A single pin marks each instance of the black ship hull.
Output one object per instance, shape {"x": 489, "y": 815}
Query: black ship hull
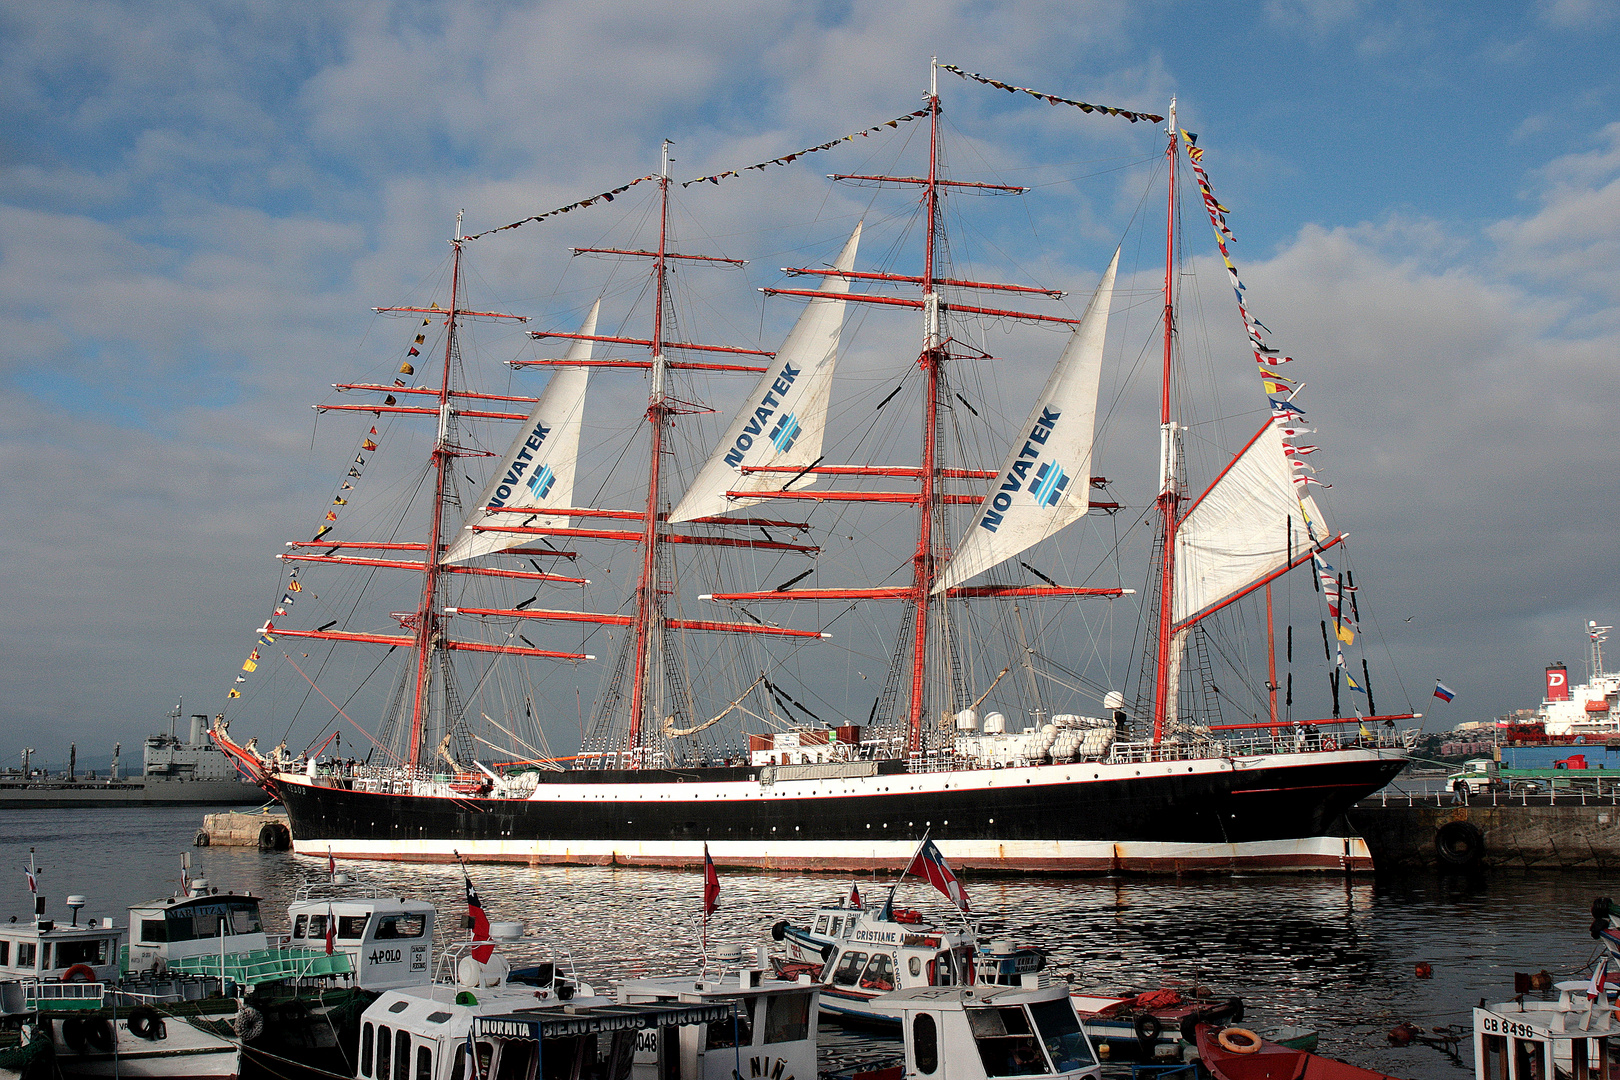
{"x": 1281, "y": 811}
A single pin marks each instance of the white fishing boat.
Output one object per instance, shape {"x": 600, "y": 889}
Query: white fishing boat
{"x": 475, "y": 1020}
{"x": 988, "y": 1032}
{"x": 979, "y": 730}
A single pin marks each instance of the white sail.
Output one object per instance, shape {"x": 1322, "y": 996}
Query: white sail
{"x": 538, "y": 471}
{"x": 783, "y": 420}
{"x": 1045, "y": 483}
{"x": 1239, "y": 530}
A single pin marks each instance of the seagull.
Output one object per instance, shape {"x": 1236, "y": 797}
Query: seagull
{"x": 1409, "y": 618}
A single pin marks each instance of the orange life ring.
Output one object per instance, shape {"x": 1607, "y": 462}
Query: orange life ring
{"x": 79, "y": 973}
{"x": 1236, "y": 1040}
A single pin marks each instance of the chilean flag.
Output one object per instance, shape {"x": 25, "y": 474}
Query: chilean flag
{"x": 854, "y": 895}
{"x": 33, "y": 885}
{"x": 331, "y": 930}
{"x": 929, "y": 863}
{"x": 711, "y": 884}
{"x": 477, "y": 921}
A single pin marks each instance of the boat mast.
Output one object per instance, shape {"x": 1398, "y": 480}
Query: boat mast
{"x": 648, "y": 599}
{"x": 427, "y": 620}
{"x": 932, "y": 356}
{"x": 1169, "y": 496}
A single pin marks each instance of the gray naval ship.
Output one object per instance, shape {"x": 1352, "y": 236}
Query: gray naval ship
{"x": 174, "y": 772}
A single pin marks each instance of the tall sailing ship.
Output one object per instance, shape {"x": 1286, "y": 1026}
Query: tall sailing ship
{"x": 700, "y": 735}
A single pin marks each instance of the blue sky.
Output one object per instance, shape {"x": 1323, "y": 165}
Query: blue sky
{"x": 199, "y": 202}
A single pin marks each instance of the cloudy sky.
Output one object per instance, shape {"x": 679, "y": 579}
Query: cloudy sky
{"x": 200, "y": 202}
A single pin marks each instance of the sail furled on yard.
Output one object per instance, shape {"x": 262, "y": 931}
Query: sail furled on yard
{"x": 538, "y": 470}
{"x": 1045, "y": 482}
{"x": 782, "y": 421}
{"x": 1251, "y": 522}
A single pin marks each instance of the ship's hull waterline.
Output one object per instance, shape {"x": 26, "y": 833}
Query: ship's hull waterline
{"x": 1282, "y": 812}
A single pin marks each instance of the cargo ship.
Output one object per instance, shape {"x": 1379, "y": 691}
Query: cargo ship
{"x": 694, "y": 750}
{"x": 174, "y": 772}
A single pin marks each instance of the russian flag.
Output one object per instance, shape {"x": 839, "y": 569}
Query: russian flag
{"x": 929, "y": 863}
{"x": 1443, "y": 692}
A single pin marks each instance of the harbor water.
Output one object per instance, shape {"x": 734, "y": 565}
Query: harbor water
{"x": 1329, "y": 953}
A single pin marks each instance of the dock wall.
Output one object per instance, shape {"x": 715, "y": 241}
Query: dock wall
{"x": 1563, "y": 832}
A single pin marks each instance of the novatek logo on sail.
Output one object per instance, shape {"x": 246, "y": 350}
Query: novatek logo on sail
{"x": 1049, "y": 479}
{"x": 520, "y": 465}
{"x": 784, "y": 433}
{"x": 540, "y": 483}
{"x": 762, "y": 415}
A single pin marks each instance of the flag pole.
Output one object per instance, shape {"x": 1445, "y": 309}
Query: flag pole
{"x": 888, "y": 905}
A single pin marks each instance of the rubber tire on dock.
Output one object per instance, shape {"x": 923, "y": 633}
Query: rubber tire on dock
{"x": 273, "y": 836}
{"x": 1459, "y": 844}
{"x": 202, "y": 838}
{"x": 1148, "y": 1029}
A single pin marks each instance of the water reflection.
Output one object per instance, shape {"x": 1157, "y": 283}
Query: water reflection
{"x": 1322, "y": 952}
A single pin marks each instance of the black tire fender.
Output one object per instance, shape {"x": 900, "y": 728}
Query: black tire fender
{"x": 1148, "y": 1028}
{"x": 99, "y": 1034}
{"x": 1459, "y": 843}
{"x": 73, "y": 1034}
{"x": 779, "y": 931}
{"x": 144, "y": 1022}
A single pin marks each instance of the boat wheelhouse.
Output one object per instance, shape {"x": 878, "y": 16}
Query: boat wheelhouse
{"x": 990, "y": 1032}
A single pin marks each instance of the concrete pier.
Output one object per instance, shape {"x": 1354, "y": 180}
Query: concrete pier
{"x": 1523, "y": 832}
{"x": 266, "y": 830}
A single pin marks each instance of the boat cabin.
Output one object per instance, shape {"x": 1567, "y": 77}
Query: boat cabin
{"x": 201, "y": 923}
{"x": 1539, "y": 1040}
{"x": 768, "y": 1028}
{"x": 388, "y": 939}
{"x": 41, "y": 949}
{"x": 990, "y": 1032}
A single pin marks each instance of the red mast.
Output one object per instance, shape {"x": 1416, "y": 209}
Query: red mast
{"x": 1169, "y": 496}
{"x": 648, "y": 599}
{"x": 427, "y": 612}
{"x": 922, "y": 577}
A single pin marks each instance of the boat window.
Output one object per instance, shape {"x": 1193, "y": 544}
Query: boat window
{"x": 486, "y": 1054}
{"x": 600, "y": 1058}
{"x": 849, "y": 969}
{"x": 399, "y": 1006}
{"x": 737, "y": 1030}
{"x": 402, "y": 925}
{"x": 1060, "y": 1030}
{"x": 69, "y": 953}
{"x": 879, "y": 973}
{"x": 366, "y": 1035}
{"x": 385, "y": 1044}
{"x": 352, "y": 927}
{"x": 437, "y": 1017}
{"x": 46, "y": 964}
{"x": 25, "y": 954}
{"x": 245, "y": 917}
{"x": 1006, "y": 1043}
{"x": 424, "y": 1063}
{"x": 915, "y": 965}
{"x": 787, "y": 1018}
{"x": 317, "y": 926}
{"x": 240, "y": 915}
{"x": 1495, "y": 1058}
{"x": 821, "y": 925}
{"x": 154, "y": 932}
{"x": 300, "y": 925}
{"x": 925, "y": 1042}
{"x": 837, "y": 925}
{"x": 5, "y": 953}
{"x": 1528, "y": 1063}
{"x": 402, "y": 1055}
{"x": 517, "y": 1060}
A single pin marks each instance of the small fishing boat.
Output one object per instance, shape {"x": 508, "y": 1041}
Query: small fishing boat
{"x": 988, "y": 1032}
{"x": 1574, "y": 1035}
{"x": 865, "y": 953}
{"x": 1235, "y": 1053}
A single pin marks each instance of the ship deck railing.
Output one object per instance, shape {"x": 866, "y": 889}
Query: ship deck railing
{"x": 61, "y": 996}
{"x": 1608, "y": 795}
